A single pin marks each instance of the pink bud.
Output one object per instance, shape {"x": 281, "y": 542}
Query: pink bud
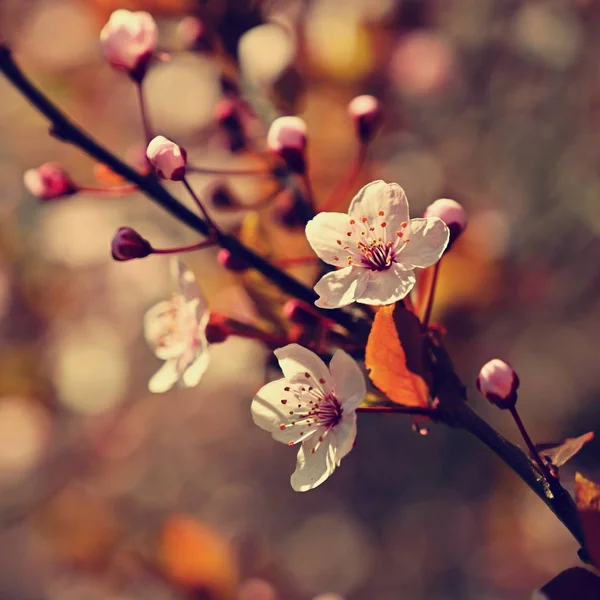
{"x": 366, "y": 113}
{"x": 128, "y": 244}
{"x": 498, "y": 383}
{"x": 48, "y": 182}
{"x": 129, "y": 40}
{"x": 227, "y": 114}
{"x": 192, "y": 35}
{"x": 452, "y": 213}
{"x": 167, "y": 158}
{"x": 230, "y": 261}
{"x": 287, "y": 138}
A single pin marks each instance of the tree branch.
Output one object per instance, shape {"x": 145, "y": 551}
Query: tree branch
{"x": 65, "y": 129}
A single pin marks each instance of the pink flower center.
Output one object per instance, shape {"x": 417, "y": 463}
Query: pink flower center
{"x": 371, "y": 244}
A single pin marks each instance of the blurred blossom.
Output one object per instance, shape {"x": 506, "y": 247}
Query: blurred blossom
{"x": 181, "y": 93}
{"x": 24, "y": 433}
{"x": 423, "y": 64}
{"x": 256, "y": 589}
{"x": 338, "y": 42}
{"x": 328, "y": 551}
{"x": 489, "y": 233}
{"x": 550, "y": 33}
{"x": 265, "y": 52}
{"x": 90, "y": 367}
{"x": 77, "y": 43}
{"x": 328, "y": 597}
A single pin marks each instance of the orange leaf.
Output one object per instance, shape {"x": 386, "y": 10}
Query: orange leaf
{"x": 395, "y": 356}
{"x": 197, "y": 556}
{"x": 587, "y": 498}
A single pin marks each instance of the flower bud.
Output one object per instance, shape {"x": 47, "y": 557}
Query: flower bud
{"x": 129, "y": 40}
{"x": 227, "y": 115}
{"x": 49, "y": 181}
{"x": 217, "y": 330}
{"x": 366, "y": 114}
{"x": 221, "y": 197}
{"x": 498, "y": 383}
{"x": 191, "y": 34}
{"x": 167, "y": 158}
{"x": 287, "y": 139}
{"x": 299, "y": 312}
{"x": 452, "y": 213}
{"x": 128, "y": 244}
{"x": 230, "y": 261}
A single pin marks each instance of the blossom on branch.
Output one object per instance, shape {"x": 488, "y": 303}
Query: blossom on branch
{"x": 167, "y": 158}
{"x": 176, "y": 331}
{"x": 129, "y": 41}
{"x": 49, "y": 182}
{"x": 312, "y": 406}
{"x": 378, "y": 246}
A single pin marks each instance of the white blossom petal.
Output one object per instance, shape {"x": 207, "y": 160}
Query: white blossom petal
{"x": 344, "y": 436}
{"x": 428, "y": 239}
{"x": 386, "y": 287}
{"x": 381, "y": 197}
{"x": 156, "y": 320}
{"x": 312, "y": 469}
{"x": 165, "y": 378}
{"x": 348, "y": 380}
{"x": 327, "y": 234}
{"x": 193, "y": 374}
{"x": 340, "y": 288}
{"x": 191, "y": 291}
{"x": 296, "y": 361}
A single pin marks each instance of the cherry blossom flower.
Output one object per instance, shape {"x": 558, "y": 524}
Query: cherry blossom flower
{"x": 129, "y": 40}
{"x": 176, "y": 331}
{"x": 312, "y": 406}
{"x": 377, "y": 244}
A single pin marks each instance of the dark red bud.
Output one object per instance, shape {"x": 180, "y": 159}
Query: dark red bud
{"x": 231, "y": 262}
{"x": 217, "y": 330}
{"x": 128, "y": 244}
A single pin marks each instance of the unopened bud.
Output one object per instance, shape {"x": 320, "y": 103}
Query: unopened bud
{"x": 221, "y": 197}
{"x": 498, "y": 383}
{"x": 49, "y": 181}
{"x": 366, "y": 114}
{"x": 452, "y": 213}
{"x": 192, "y": 35}
{"x": 128, "y": 244}
{"x": 228, "y": 117}
{"x": 167, "y": 158}
{"x": 129, "y": 40}
{"x": 230, "y": 261}
{"x": 300, "y": 313}
{"x": 287, "y": 139}
{"x": 217, "y": 330}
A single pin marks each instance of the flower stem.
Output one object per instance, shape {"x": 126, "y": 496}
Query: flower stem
{"x": 191, "y": 248}
{"x": 144, "y": 112}
{"x": 310, "y": 194}
{"x": 431, "y": 297}
{"x": 347, "y": 181}
{"x": 212, "y": 227}
{"x": 216, "y": 171}
{"x": 108, "y": 191}
{"x": 296, "y": 261}
{"x": 530, "y": 445}
{"x": 404, "y": 410}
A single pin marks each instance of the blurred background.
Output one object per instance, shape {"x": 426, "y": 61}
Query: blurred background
{"x": 107, "y": 491}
